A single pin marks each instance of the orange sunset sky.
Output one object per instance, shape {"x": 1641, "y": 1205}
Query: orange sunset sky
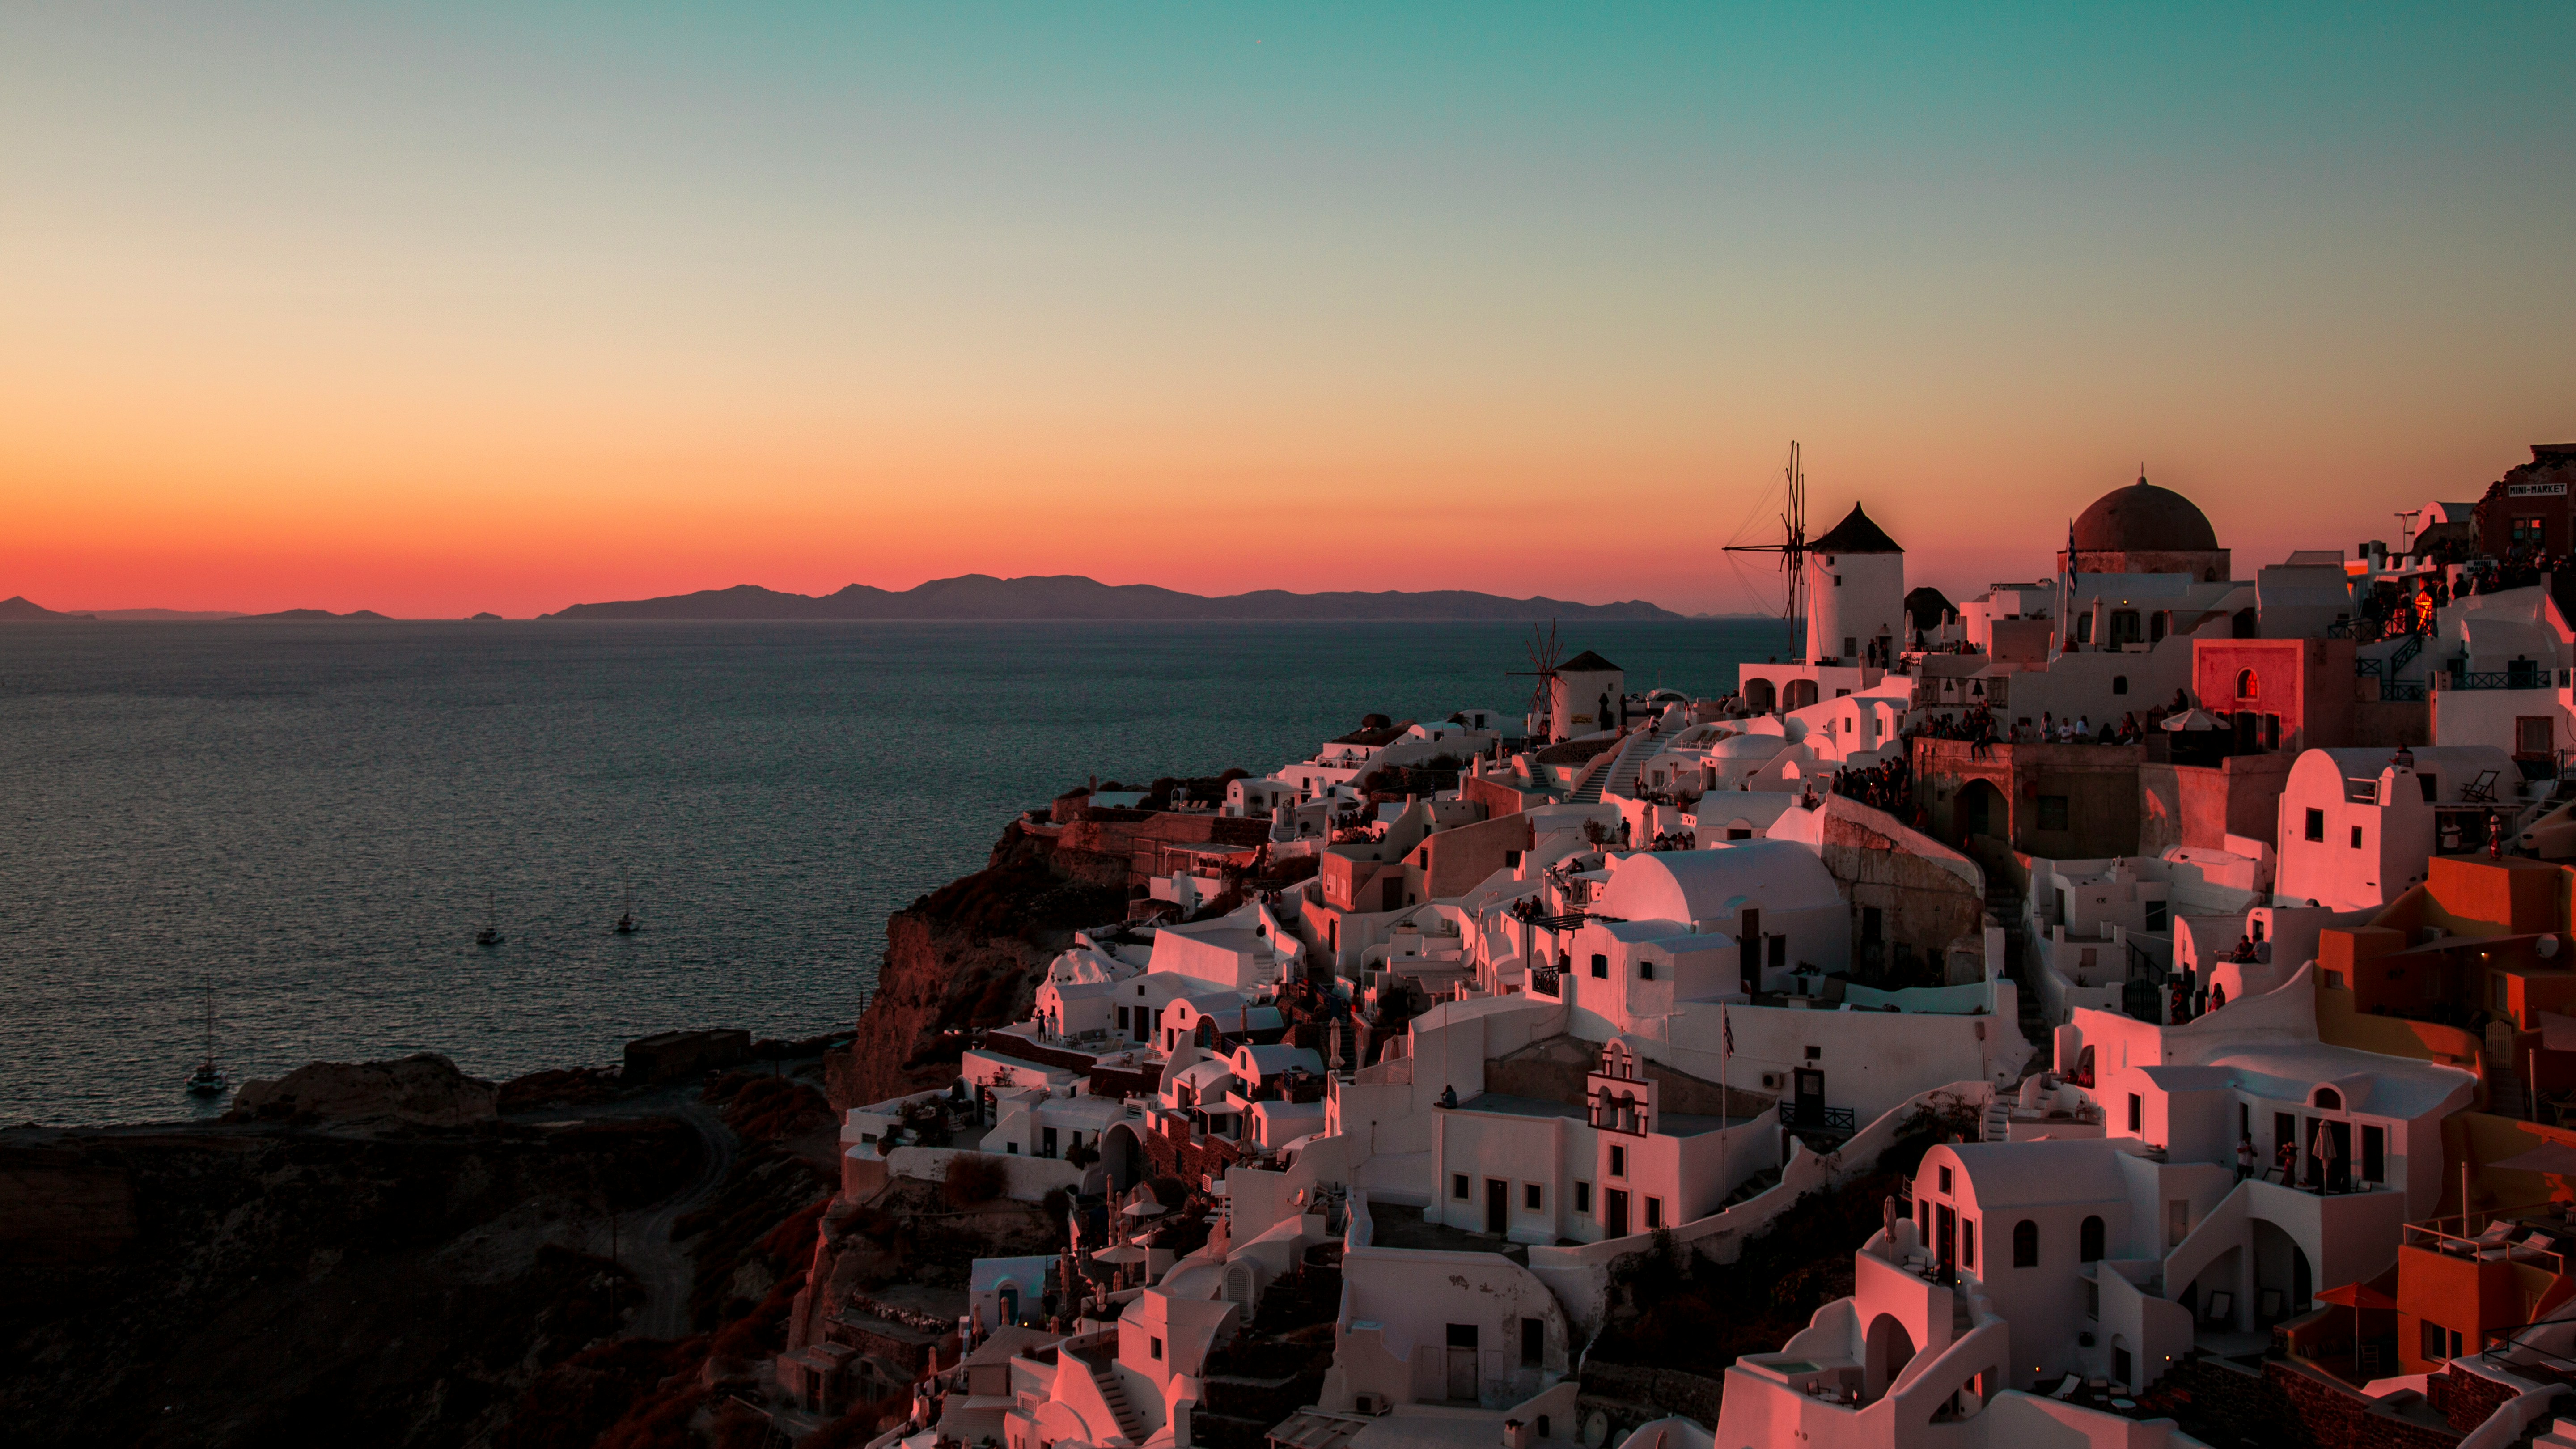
{"x": 439, "y": 309}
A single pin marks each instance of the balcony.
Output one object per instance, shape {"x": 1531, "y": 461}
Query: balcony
{"x": 2540, "y": 1235}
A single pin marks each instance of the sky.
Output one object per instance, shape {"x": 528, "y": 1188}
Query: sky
{"x": 437, "y": 309}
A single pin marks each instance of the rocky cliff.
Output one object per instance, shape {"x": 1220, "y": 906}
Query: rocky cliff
{"x": 424, "y": 1090}
{"x": 271, "y": 1283}
{"x": 970, "y": 956}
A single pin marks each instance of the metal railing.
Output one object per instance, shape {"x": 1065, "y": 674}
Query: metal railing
{"x": 2496, "y": 679}
{"x": 2389, "y": 666}
{"x": 2501, "y": 1345}
{"x": 2431, "y": 1235}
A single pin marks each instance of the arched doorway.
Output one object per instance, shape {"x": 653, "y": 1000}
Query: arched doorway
{"x": 1759, "y": 696}
{"x": 1802, "y": 692}
{"x": 1888, "y": 1349}
{"x": 1122, "y": 1156}
{"x": 2283, "y": 1278}
{"x": 1981, "y": 809}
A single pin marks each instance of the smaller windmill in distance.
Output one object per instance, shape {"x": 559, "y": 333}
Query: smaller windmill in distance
{"x": 1544, "y": 656}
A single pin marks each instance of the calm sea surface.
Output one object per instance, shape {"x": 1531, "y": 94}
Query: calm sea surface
{"x": 313, "y": 816}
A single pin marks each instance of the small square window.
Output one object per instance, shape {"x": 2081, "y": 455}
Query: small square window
{"x": 1654, "y": 1212}
{"x": 1618, "y": 1161}
{"x": 1154, "y": 1346}
{"x": 1601, "y": 967}
{"x": 2317, "y": 826}
{"x": 2356, "y": 837}
{"x": 1815, "y": 1054}
{"x": 1458, "y": 1186}
{"x": 1945, "y": 1179}
{"x": 1533, "y": 1197}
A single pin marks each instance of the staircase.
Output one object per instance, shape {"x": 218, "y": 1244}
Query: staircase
{"x": 1996, "y": 1125}
{"x": 2504, "y": 1087}
{"x": 2005, "y": 908}
{"x": 1130, "y": 1423}
{"x": 1621, "y": 777}
{"x": 1754, "y": 1186}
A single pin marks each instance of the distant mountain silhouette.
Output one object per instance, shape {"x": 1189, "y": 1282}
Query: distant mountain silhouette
{"x": 1071, "y": 596}
{"x": 354, "y": 616}
{"x": 167, "y": 616}
{"x": 17, "y": 610}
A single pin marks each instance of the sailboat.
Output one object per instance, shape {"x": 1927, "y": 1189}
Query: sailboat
{"x": 626, "y": 916}
{"x": 208, "y": 1079}
{"x": 490, "y": 935}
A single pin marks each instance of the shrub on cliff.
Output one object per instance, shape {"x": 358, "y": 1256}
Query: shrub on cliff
{"x": 975, "y": 1178}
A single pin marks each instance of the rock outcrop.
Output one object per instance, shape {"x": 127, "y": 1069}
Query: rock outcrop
{"x": 425, "y": 1090}
{"x": 967, "y": 957}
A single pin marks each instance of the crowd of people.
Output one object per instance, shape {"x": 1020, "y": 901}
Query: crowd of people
{"x": 2397, "y": 615}
{"x": 1981, "y": 730}
{"x": 1888, "y": 787}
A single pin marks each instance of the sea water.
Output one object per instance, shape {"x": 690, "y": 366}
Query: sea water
{"x": 315, "y": 818}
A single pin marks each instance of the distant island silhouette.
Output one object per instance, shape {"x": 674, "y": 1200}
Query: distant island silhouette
{"x": 297, "y": 616}
{"x": 1072, "y": 596}
{"x": 19, "y": 609}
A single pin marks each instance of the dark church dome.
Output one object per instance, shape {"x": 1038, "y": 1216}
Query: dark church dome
{"x": 2143, "y": 518}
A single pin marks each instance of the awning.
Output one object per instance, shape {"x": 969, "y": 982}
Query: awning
{"x": 2551, "y": 1157}
{"x": 1314, "y": 1429}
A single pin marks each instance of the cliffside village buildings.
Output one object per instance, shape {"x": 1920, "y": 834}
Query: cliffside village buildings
{"x": 2207, "y": 917}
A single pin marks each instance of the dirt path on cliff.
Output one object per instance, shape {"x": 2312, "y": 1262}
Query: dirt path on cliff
{"x": 663, "y": 1267}
{"x": 642, "y": 1238}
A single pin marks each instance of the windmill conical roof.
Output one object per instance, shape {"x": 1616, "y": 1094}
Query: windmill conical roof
{"x": 1857, "y": 533}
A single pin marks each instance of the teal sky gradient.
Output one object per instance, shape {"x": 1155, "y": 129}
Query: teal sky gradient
{"x": 807, "y": 295}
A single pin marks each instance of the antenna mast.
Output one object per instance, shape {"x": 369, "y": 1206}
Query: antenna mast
{"x": 1792, "y": 549}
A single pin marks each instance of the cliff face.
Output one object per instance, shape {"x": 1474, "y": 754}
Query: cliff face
{"x": 969, "y": 956}
{"x": 271, "y": 1284}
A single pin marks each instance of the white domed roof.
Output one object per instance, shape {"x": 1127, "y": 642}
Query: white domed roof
{"x": 1749, "y": 747}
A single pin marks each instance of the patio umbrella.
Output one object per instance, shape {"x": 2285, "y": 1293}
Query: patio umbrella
{"x": 2357, "y": 1295}
{"x": 2193, "y": 719}
{"x": 2324, "y": 1151}
{"x": 2550, "y": 1157}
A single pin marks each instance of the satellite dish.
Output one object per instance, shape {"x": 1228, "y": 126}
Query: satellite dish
{"x": 1596, "y": 1429}
{"x": 2547, "y": 946}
